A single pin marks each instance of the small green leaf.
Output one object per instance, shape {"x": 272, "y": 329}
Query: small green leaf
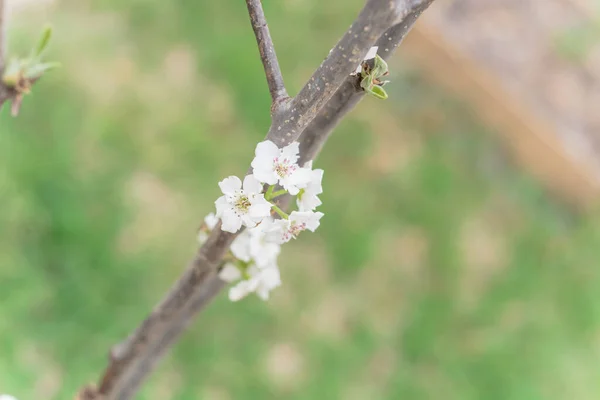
{"x": 36, "y": 70}
{"x": 380, "y": 68}
{"x": 371, "y": 82}
{"x": 378, "y": 92}
{"x": 367, "y": 82}
{"x": 43, "y": 42}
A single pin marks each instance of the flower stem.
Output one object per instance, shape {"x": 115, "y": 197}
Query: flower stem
{"x": 279, "y": 211}
{"x": 278, "y": 193}
{"x": 269, "y": 193}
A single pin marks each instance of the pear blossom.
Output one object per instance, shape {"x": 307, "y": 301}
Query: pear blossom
{"x": 370, "y": 55}
{"x": 7, "y": 397}
{"x": 210, "y": 221}
{"x": 253, "y": 246}
{"x": 229, "y": 273}
{"x": 255, "y": 250}
{"x": 241, "y": 204}
{"x": 308, "y": 199}
{"x": 274, "y": 165}
{"x": 261, "y": 281}
{"x": 283, "y": 230}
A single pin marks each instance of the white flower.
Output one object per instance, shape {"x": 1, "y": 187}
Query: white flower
{"x": 308, "y": 199}
{"x": 229, "y": 273}
{"x": 370, "y": 54}
{"x": 239, "y": 205}
{"x": 273, "y": 165}
{"x": 261, "y": 281}
{"x": 283, "y": 230}
{"x": 210, "y": 221}
{"x": 251, "y": 245}
{"x": 7, "y": 397}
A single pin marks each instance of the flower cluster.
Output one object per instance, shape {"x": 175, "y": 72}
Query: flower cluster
{"x": 252, "y": 262}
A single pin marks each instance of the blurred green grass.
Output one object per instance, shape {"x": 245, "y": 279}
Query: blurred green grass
{"x": 439, "y": 272}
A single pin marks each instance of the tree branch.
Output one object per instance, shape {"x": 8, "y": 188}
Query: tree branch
{"x": 132, "y": 360}
{"x": 376, "y": 17}
{"x": 267, "y": 54}
{"x": 349, "y": 93}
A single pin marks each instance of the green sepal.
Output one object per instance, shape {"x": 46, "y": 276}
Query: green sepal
{"x": 378, "y": 92}
{"x": 12, "y": 73}
{"x": 37, "y": 70}
{"x": 380, "y": 68}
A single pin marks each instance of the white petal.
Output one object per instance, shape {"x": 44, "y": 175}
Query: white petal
{"x": 299, "y": 217}
{"x": 262, "y": 251}
{"x": 241, "y": 247}
{"x": 239, "y": 291}
{"x": 308, "y": 164}
{"x": 231, "y": 222}
{"x": 259, "y": 209}
{"x": 301, "y": 177}
{"x": 276, "y": 231}
{"x": 248, "y": 221}
{"x": 270, "y": 277}
{"x": 7, "y": 397}
{"x": 262, "y": 164}
{"x": 266, "y": 150}
{"x": 263, "y": 227}
{"x": 252, "y": 185}
{"x": 310, "y": 218}
{"x": 210, "y": 220}
{"x": 290, "y": 152}
{"x": 371, "y": 53}
{"x": 229, "y": 273}
{"x": 265, "y": 174}
{"x": 230, "y": 184}
{"x": 253, "y": 271}
{"x": 289, "y": 185}
{"x": 316, "y": 181}
{"x": 221, "y": 204}
{"x": 308, "y": 202}
{"x": 262, "y": 292}
{"x": 313, "y": 223}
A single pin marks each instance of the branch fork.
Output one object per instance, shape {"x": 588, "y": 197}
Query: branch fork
{"x": 279, "y": 95}
{"x": 309, "y": 117}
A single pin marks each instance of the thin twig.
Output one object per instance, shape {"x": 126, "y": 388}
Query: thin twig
{"x": 132, "y": 361}
{"x": 5, "y": 93}
{"x": 267, "y": 54}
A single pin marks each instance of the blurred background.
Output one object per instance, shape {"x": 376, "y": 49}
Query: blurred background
{"x": 458, "y": 255}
